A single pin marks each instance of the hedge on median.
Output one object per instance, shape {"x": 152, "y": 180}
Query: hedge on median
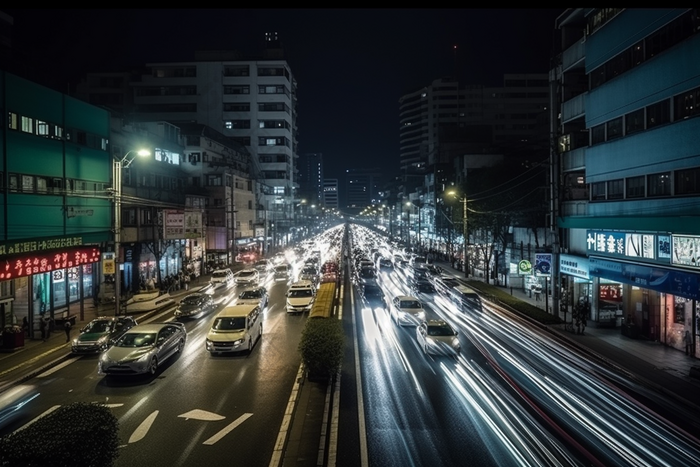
{"x": 74, "y": 435}
{"x": 321, "y": 347}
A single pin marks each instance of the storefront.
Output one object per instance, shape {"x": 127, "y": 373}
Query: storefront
{"x": 47, "y": 283}
{"x": 576, "y": 286}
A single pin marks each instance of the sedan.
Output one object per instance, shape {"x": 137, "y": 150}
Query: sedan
{"x": 248, "y": 277}
{"x": 100, "y": 333}
{"x": 436, "y": 337}
{"x": 143, "y": 348}
{"x": 373, "y": 296}
{"x": 423, "y": 286}
{"x": 407, "y": 310}
{"x": 194, "y": 306}
{"x": 257, "y": 296}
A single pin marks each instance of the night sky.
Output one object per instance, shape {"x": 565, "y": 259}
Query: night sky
{"x": 351, "y": 65}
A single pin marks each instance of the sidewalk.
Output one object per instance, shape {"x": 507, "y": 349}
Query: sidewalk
{"x": 653, "y": 364}
{"x": 37, "y": 355}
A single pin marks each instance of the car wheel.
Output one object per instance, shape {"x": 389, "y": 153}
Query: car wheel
{"x": 153, "y": 366}
{"x": 180, "y": 345}
{"x": 250, "y": 345}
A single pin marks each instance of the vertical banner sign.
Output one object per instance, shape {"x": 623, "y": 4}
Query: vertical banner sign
{"x": 173, "y": 225}
{"x": 108, "y": 266}
{"x": 193, "y": 224}
{"x": 543, "y": 264}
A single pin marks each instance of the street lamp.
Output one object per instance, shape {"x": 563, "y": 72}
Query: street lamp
{"x": 120, "y": 164}
{"x": 464, "y": 227}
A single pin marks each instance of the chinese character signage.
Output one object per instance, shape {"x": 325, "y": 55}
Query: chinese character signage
{"x": 42, "y": 244}
{"x": 627, "y": 245}
{"x": 41, "y": 262}
{"x": 686, "y": 251}
{"x": 574, "y": 266}
{"x": 173, "y": 225}
{"x": 193, "y": 224}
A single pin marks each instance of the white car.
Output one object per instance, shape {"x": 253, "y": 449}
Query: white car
{"x": 407, "y": 310}
{"x": 248, "y": 277}
{"x": 257, "y": 296}
{"x": 222, "y": 277}
{"x": 437, "y": 337}
{"x": 301, "y": 296}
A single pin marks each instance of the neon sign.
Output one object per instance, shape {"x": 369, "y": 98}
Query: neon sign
{"x": 21, "y": 266}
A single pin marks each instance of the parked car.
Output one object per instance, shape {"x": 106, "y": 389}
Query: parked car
{"x": 194, "y": 305}
{"x": 222, "y": 277}
{"x": 257, "y": 296}
{"x": 407, "y": 310}
{"x": 100, "y": 333}
{"x": 143, "y": 348}
{"x": 437, "y": 337}
{"x": 248, "y": 277}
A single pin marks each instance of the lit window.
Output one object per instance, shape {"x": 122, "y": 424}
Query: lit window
{"x": 27, "y": 125}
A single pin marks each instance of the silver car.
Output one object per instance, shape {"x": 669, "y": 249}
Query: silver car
{"x": 437, "y": 337}
{"x": 143, "y": 348}
{"x": 194, "y": 305}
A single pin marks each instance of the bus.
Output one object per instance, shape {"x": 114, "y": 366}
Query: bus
{"x": 325, "y": 298}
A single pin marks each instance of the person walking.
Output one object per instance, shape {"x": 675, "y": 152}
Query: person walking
{"x": 688, "y": 341}
{"x": 44, "y": 324}
{"x": 67, "y": 327}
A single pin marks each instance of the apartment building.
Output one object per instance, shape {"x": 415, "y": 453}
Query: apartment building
{"x": 626, "y": 160}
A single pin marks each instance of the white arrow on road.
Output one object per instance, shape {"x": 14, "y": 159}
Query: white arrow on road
{"x": 143, "y": 428}
{"x": 198, "y": 414}
{"x": 228, "y": 429}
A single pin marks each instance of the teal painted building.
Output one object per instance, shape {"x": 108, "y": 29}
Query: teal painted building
{"x": 55, "y": 205}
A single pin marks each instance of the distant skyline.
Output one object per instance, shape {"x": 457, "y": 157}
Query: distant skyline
{"x": 351, "y": 65}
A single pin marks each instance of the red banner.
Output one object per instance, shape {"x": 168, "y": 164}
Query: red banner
{"x": 27, "y": 265}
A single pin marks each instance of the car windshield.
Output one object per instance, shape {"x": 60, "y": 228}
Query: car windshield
{"x": 250, "y": 294}
{"x": 308, "y": 271}
{"x": 300, "y": 293}
{"x": 440, "y": 330}
{"x": 191, "y": 300}
{"x": 409, "y": 304}
{"x": 281, "y": 269}
{"x": 136, "y": 339}
{"x": 367, "y": 272}
{"x": 229, "y": 324}
{"x": 99, "y": 326}
{"x": 246, "y": 273}
{"x": 219, "y": 273}
{"x": 373, "y": 292}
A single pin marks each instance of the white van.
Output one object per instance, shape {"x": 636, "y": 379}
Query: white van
{"x": 300, "y": 296}
{"x": 235, "y": 328}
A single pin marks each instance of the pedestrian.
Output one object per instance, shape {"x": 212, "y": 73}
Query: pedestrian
{"x": 688, "y": 341}
{"x": 25, "y": 326}
{"x": 187, "y": 281}
{"x": 43, "y": 325}
{"x": 67, "y": 327}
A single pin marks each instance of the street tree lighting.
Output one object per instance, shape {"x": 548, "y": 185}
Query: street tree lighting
{"x": 465, "y": 232}
{"x": 120, "y": 164}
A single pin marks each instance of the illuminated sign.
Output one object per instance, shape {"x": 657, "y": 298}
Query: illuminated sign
{"x": 28, "y": 265}
{"x": 543, "y": 264}
{"x": 574, "y": 266}
{"x": 525, "y": 267}
{"x": 628, "y": 245}
{"x": 31, "y": 246}
{"x": 685, "y": 251}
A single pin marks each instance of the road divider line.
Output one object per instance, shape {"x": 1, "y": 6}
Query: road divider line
{"x": 57, "y": 367}
{"x": 37, "y": 418}
{"x": 278, "y": 450}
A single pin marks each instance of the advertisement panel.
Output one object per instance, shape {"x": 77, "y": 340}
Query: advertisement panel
{"x": 173, "y": 224}
{"x": 543, "y": 264}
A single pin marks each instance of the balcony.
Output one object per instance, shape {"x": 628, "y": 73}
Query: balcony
{"x": 573, "y": 108}
{"x": 574, "y": 55}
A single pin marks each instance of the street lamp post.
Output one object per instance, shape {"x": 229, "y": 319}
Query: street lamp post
{"x": 120, "y": 164}
{"x": 464, "y": 230}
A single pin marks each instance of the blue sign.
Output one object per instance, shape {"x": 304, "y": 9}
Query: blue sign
{"x": 679, "y": 283}
{"x": 543, "y": 264}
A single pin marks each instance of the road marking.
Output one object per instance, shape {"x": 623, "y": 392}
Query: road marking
{"x": 37, "y": 418}
{"x": 198, "y": 414}
{"x": 111, "y": 406}
{"x": 278, "y": 450}
{"x": 228, "y": 429}
{"x": 143, "y": 428}
{"x": 57, "y": 367}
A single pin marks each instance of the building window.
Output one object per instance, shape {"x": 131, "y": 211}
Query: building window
{"x": 687, "y": 181}
{"x": 42, "y": 128}
{"x": 614, "y": 128}
{"x": 659, "y": 113}
{"x": 687, "y": 104}
{"x": 598, "y": 134}
{"x": 634, "y": 122}
{"x": 616, "y": 189}
{"x": 659, "y": 184}
{"x": 237, "y": 70}
{"x": 12, "y": 121}
{"x": 238, "y": 89}
{"x": 635, "y": 187}
{"x": 598, "y": 191}
{"x": 239, "y": 124}
{"x": 236, "y": 106}
{"x": 27, "y": 125}
{"x": 272, "y": 89}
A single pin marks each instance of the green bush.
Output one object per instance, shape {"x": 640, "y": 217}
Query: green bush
{"x": 321, "y": 347}
{"x": 75, "y": 435}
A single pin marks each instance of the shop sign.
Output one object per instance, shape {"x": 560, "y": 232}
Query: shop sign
{"x": 625, "y": 244}
{"x": 543, "y": 264}
{"x": 27, "y": 265}
{"x": 173, "y": 224}
{"x": 31, "y": 246}
{"x": 525, "y": 267}
{"x": 108, "y": 263}
{"x": 574, "y": 266}
{"x": 193, "y": 224}
{"x": 685, "y": 251}
{"x": 674, "y": 282}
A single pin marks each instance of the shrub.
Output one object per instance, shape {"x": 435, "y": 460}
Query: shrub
{"x": 75, "y": 435}
{"x": 499, "y": 295}
{"x": 321, "y": 347}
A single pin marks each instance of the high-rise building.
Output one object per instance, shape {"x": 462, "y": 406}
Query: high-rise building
{"x": 311, "y": 177}
{"x": 251, "y": 101}
{"x": 362, "y": 188}
{"x": 626, "y": 163}
{"x": 330, "y": 193}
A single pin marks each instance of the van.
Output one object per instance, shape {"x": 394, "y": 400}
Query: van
{"x": 301, "y": 296}
{"x": 235, "y": 328}
{"x": 222, "y": 277}
{"x": 465, "y": 298}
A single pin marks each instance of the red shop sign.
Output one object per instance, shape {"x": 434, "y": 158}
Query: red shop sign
{"x": 27, "y": 265}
